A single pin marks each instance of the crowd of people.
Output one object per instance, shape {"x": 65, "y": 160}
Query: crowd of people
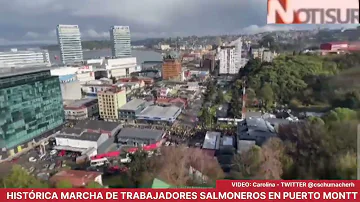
{"x": 182, "y": 134}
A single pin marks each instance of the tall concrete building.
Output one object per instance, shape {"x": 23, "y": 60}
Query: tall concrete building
{"x": 110, "y": 101}
{"x": 239, "y": 59}
{"x": 121, "y": 41}
{"x": 227, "y": 60}
{"x": 69, "y": 40}
{"x": 30, "y": 104}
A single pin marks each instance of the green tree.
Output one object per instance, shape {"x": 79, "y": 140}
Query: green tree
{"x": 267, "y": 95}
{"x": 19, "y": 178}
{"x": 93, "y": 185}
{"x": 250, "y": 95}
{"x": 346, "y": 166}
{"x": 340, "y": 114}
{"x": 206, "y": 117}
{"x": 64, "y": 184}
{"x": 220, "y": 99}
{"x": 141, "y": 168}
{"x": 315, "y": 120}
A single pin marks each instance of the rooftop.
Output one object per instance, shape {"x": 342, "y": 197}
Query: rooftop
{"x": 77, "y": 135}
{"x": 253, "y": 114}
{"x": 78, "y": 178}
{"x": 133, "y": 104}
{"x": 80, "y": 103}
{"x": 256, "y": 129}
{"x": 212, "y": 140}
{"x": 7, "y": 72}
{"x": 159, "y": 112}
{"x": 112, "y": 90}
{"x": 140, "y": 133}
{"x": 96, "y": 125}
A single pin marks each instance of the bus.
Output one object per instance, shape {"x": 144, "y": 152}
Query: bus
{"x": 99, "y": 162}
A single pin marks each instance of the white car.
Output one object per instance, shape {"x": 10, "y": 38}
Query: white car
{"x": 32, "y": 159}
{"x": 53, "y": 152}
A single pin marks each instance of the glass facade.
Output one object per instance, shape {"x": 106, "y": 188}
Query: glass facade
{"x": 121, "y": 41}
{"x": 69, "y": 40}
{"x": 30, "y": 104}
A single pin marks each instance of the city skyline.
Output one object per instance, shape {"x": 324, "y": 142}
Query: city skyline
{"x": 24, "y": 24}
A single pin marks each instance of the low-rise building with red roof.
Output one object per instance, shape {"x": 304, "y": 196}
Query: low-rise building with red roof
{"x": 77, "y": 178}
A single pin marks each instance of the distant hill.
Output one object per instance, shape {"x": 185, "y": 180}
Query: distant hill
{"x": 104, "y": 44}
{"x": 85, "y": 45}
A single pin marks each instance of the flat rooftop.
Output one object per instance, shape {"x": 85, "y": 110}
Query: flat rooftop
{"x": 88, "y": 136}
{"x": 212, "y": 140}
{"x": 8, "y": 72}
{"x": 96, "y": 125}
{"x": 80, "y": 103}
{"x": 159, "y": 112}
{"x": 140, "y": 133}
{"x": 133, "y": 104}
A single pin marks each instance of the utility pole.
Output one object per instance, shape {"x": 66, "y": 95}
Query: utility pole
{"x": 243, "y": 113}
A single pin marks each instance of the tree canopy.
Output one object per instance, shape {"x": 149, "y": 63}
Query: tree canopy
{"x": 19, "y": 178}
{"x": 306, "y": 80}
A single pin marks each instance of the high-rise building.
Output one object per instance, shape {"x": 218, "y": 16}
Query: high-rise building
{"x": 110, "y": 101}
{"x": 69, "y": 40}
{"x": 171, "y": 67}
{"x": 238, "y": 59}
{"x": 30, "y": 104}
{"x": 20, "y": 59}
{"x": 121, "y": 41}
{"x": 227, "y": 60}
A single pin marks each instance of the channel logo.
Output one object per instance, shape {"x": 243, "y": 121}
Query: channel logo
{"x": 313, "y": 12}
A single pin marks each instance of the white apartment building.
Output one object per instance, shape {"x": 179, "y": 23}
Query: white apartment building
{"x": 227, "y": 60}
{"x": 69, "y": 40}
{"x": 121, "y": 41}
{"x": 15, "y": 58}
{"x": 237, "y": 53}
{"x": 264, "y": 54}
{"x": 119, "y": 67}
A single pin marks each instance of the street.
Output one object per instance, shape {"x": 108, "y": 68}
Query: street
{"x": 189, "y": 115}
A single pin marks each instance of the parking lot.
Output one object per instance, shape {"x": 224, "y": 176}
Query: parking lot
{"x": 50, "y": 162}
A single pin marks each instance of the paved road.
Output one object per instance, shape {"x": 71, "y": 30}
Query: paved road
{"x": 188, "y": 118}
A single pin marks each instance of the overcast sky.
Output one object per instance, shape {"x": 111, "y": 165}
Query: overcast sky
{"x": 34, "y": 21}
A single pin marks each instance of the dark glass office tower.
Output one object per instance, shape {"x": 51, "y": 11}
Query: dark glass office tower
{"x": 30, "y": 104}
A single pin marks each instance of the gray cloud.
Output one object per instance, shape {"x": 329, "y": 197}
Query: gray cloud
{"x": 27, "y": 21}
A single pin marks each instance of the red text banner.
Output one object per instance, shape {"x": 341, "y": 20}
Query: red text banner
{"x": 225, "y": 190}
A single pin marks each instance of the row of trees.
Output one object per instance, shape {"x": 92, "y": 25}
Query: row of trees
{"x": 305, "y": 80}
{"x": 316, "y": 149}
{"x": 171, "y": 166}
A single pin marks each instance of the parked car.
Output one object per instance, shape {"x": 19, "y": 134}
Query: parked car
{"x": 53, "y": 152}
{"x": 32, "y": 159}
{"x": 52, "y": 166}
